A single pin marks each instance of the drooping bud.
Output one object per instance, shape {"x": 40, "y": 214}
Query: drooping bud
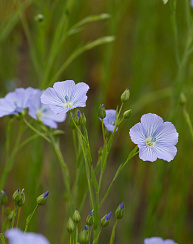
{"x": 39, "y": 18}
{"x": 125, "y": 95}
{"x": 90, "y": 218}
{"x": 127, "y": 114}
{"x": 70, "y": 225}
{"x": 101, "y": 111}
{"x": 76, "y": 216}
{"x": 19, "y": 197}
{"x": 3, "y": 198}
{"x": 120, "y": 211}
{"x": 105, "y": 220}
{"x": 84, "y": 234}
{"x": 41, "y": 200}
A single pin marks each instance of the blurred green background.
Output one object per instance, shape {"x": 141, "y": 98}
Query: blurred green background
{"x": 36, "y": 51}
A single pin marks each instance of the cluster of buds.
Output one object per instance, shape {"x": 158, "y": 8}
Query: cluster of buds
{"x": 19, "y": 197}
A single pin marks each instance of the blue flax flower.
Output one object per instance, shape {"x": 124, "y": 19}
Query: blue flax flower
{"x": 65, "y": 95}
{"x": 155, "y": 138}
{"x": 17, "y": 236}
{"x": 109, "y": 120}
{"x": 15, "y": 102}
{"x": 42, "y": 112}
{"x": 158, "y": 240}
{"x": 191, "y": 3}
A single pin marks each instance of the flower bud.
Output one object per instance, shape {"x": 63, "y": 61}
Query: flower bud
{"x": 39, "y": 18}
{"x": 83, "y": 119}
{"x": 101, "y": 111}
{"x": 41, "y": 200}
{"x": 127, "y": 114}
{"x": 105, "y": 220}
{"x": 19, "y": 197}
{"x": 70, "y": 225}
{"x": 125, "y": 95}
{"x": 84, "y": 234}
{"x": 76, "y": 216}
{"x": 182, "y": 99}
{"x": 3, "y": 198}
{"x": 120, "y": 211}
{"x": 90, "y": 218}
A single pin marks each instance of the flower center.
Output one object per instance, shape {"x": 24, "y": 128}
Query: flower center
{"x": 67, "y": 104}
{"x": 39, "y": 114}
{"x": 150, "y": 141}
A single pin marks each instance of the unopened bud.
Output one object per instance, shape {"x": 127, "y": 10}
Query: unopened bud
{"x": 70, "y": 225}
{"x": 105, "y": 220}
{"x": 182, "y": 99}
{"x": 101, "y": 111}
{"x": 90, "y": 218}
{"x": 76, "y": 216}
{"x": 125, "y": 95}
{"x": 127, "y": 114}
{"x": 19, "y": 197}
{"x": 3, "y": 198}
{"x": 39, "y": 17}
{"x": 41, "y": 200}
{"x": 120, "y": 211}
{"x": 84, "y": 234}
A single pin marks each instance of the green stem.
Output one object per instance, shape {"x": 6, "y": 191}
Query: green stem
{"x": 18, "y": 217}
{"x": 14, "y": 215}
{"x": 35, "y": 130}
{"x": 10, "y": 160}
{"x": 96, "y": 240}
{"x": 76, "y": 237}
{"x": 87, "y": 174}
{"x": 2, "y": 216}
{"x": 2, "y": 238}
{"x": 188, "y": 120}
{"x": 29, "y": 218}
{"x": 113, "y": 233}
{"x": 131, "y": 155}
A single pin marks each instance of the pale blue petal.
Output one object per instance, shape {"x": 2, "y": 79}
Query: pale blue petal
{"x": 169, "y": 241}
{"x": 109, "y": 120}
{"x": 154, "y": 240}
{"x": 147, "y": 153}
{"x": 167, "y": 134}
{"x": 78, "y": 97}
{"x": 59, "y": 109}
{"x": 46, "y": 114}
{"x": 50, "y": 97}
{"x": 17, "y": 236}
{"x": 137, "y": 134}
{"x": 64, "y": 88}
{"x": 150, "y": 123}
{"x": 165, "y": 152}
{"x": 5, "y": 107}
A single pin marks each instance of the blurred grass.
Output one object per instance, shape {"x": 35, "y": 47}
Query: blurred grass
{"x": 158, "y": 196}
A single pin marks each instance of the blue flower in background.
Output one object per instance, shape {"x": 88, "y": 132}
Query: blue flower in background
{"x": 40, "y": 111}
{"x": 15, "y": 102}
{"x": 158, "y": 240}
{"x": 109, "y": 120}
{"x": 191, "y": 3}
{"x": 17, "y": 236}
{"x": 65, "y": 95}
{"x": 155, "y": 138}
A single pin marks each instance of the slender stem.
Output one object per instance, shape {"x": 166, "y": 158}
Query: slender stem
{"x": 77, "y": 128}
{"x": 14, "y": 215}
{"x": 113, "y": 232}
{"x": 2, "y": 238}
{"x": 188, "y": 120}
{"x": 18, "y": 216}
{"x": 29, "y": 218}
{"x": 35, "y": 130}
{"x": 76, "y": 237}
{"x": 75, "y": 143}
{"x": 2, "y": 216}
{"x": 87, "y": 174}
{"x": 103, "y": 130}
{"x": 96, "y": 240}
{"x": 70, "y": 239}
{"x": 115, "y": 177}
